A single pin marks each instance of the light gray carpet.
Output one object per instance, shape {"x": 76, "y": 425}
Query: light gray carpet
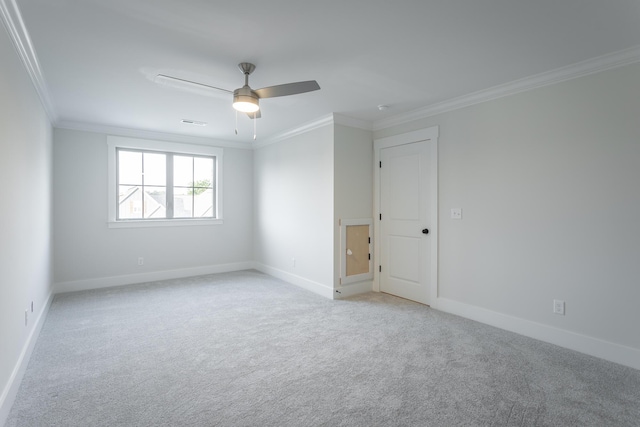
{"x": 245, "y": 349}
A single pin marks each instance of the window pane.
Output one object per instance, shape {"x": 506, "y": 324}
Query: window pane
{"x": 182, "y": 203}
{"x": 183, "y": 171}
{"x": 203, "y": 204}
{"x": 129, "y": 202}
{"x": 203, "y": 172}
{"x": 155, "y": 202}
{"x": 129, "y": 167}
{"x": 155, "y": 167}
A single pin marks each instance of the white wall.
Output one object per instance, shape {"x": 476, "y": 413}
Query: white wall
{"x": 293, "y": 184}
{"x": 25, "y": 217}
{"x": 88, "y": 254}
{"x": 353, "y": 186}
{"x": 548, "y": 181}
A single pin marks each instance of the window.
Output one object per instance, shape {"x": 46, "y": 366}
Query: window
{"x": 161, "y": 183}
{"x": 155, "y": 185}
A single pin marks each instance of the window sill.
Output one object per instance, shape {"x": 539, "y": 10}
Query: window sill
{"x": 163, "y": 223}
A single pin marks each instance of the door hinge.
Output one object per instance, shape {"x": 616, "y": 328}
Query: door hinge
{"x": 380, "y": 268}
{"x": 380, "y": 164}
{"x": 369, "y": 256}
{"x": 380, "y": 217}
{"x": 369, "y": 240}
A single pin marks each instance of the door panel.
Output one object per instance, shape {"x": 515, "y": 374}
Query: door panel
{"x": 404, "y": 175}
{"x": 404, "y": 202}
{"x": 404, "y": 259}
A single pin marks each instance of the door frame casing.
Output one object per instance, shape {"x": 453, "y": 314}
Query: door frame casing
{"x": 427, "y": 134}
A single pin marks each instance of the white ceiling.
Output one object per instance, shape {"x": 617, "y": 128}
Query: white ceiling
{"x": 98, "y": 57}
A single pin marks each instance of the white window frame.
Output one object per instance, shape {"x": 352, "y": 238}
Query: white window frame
{"x": 115, "y": 142}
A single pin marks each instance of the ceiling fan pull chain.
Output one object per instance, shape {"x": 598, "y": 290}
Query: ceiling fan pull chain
{"x": 255, "y": 120}
{"x": 236, "y": 122}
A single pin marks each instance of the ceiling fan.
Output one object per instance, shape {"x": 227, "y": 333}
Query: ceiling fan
{"x": 245, "y": 99}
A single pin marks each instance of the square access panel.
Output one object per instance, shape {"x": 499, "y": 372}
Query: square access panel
{"x": 355, "y": 246}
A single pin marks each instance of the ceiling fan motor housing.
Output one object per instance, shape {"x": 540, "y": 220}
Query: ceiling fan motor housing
{"x": 245, "y": 96}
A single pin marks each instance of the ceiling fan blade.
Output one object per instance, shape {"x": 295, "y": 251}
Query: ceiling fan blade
{"x": 257, "y": 115}
{"x": 287, "y": 89}
{"x": 189, "y": 85}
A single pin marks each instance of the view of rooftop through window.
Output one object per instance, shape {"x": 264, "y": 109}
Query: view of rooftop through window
{"x": 160, "y": 185}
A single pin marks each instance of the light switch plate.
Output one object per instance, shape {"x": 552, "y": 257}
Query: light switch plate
{"x": 456, "y": 213}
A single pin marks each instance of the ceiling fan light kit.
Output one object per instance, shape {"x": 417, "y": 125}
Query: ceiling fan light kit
{"x": 245, "y": 100}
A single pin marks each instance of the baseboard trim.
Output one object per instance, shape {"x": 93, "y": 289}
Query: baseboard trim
{"x": 11, "y": 389}
{"x": 606, "y": 350}
{"x": 351, "y": 289}
{"x": 309, "y": 285}
{"x": 129, "y": 279}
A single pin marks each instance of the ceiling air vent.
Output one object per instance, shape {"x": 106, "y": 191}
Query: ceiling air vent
{"x": 193, "y": 122}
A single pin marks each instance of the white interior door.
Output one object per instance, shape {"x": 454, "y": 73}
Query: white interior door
{"x": 405, "y": 258}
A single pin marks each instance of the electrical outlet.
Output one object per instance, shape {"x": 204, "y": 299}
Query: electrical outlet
{"x": 140, "y": 261}
{"x": 456, "y": 213}
{"x": 558, "y": 306}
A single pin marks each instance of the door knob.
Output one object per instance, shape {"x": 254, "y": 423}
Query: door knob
{"x": 425, "y": 231}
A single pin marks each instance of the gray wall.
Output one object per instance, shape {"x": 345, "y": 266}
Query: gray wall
{"x": 89, "y": 254}
{"x": 548, "y": 181}
{"x": 25, "y": 212}
{"x": 293, "y": 181}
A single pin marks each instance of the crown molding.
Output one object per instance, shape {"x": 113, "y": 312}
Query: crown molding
{"x": 340, "y": 119}
{"x": 579, "y": 69}
{"x": 334, "y": 118}
{"x": 147, "y": 134}
{"x": 304, "y": 128}
{"x": 13, "y": 22}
